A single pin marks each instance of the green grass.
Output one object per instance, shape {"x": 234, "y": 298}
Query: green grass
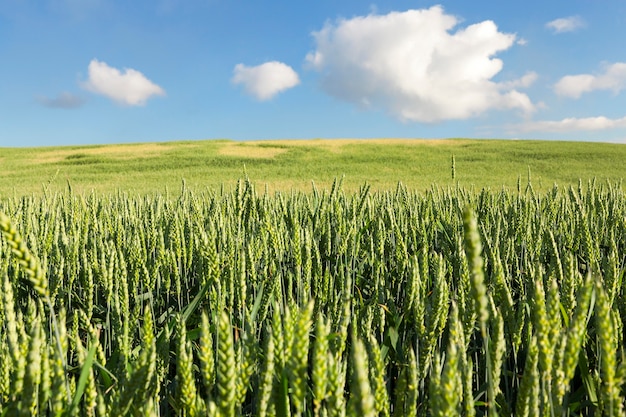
{"x": 287, "y": 165}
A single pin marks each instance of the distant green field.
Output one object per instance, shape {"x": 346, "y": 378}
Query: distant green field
{"x": 288, "y": 165}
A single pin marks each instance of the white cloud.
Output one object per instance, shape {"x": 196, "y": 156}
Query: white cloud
{"x": 409, "y": 64}
{"x": 266, "y": 80}
{"x": 524, "y": 82}
{"x": 64, "y": 100}
{"x": 566, "y": 24}
{"x": 130, "y": 88}
{"x": 613, "y": 78}
{"x": 573, "y": 124}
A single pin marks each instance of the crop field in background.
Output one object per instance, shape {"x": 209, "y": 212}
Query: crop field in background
{"x": 149, "y": 280}
{"x": 288, "y": 165}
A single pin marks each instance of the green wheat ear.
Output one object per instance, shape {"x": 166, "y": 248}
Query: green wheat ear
{"x": 24, "y": 257}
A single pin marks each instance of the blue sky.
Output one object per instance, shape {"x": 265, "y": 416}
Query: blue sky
{"x": 116, "y": 71}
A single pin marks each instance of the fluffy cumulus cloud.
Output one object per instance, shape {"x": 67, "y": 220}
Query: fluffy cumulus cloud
{"x": 574, "y": 124}
{"x": 566, "y": 24}
{"x": 65, "y": 100}
{"x": 613, "y": 78}
{"x": 130, "y": 87}
{"x": 412, "y": 65}
{"x": 266, "y": 80}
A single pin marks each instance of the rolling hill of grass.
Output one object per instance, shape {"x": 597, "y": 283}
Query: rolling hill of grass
{"x": 287, "y": 165}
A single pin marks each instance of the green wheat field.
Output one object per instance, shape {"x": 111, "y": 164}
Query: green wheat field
{"x": 313, "y": 278}
{"x": 144, "y": 168}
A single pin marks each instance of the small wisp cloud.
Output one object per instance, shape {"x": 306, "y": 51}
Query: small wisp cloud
{"x": 128, "y": 87}
{"x": 612, "y": 79}
{"x": 574, "y": 124}
{"x": 265, "y": 81}
{"x": 65, "y": 100}
{"x": 566, "y": 24}
{"x": 413, "y": 66}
